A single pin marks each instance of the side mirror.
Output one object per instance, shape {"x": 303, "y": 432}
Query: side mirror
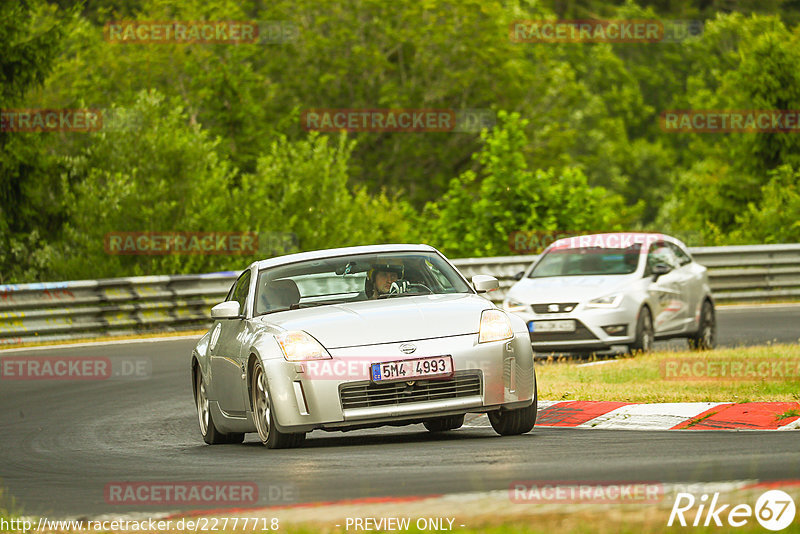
{"x": 483, "y": 283}
{"x": 519, "y": 275}
{"x": 226, "y": 310}
{"x": 660, "y": 269}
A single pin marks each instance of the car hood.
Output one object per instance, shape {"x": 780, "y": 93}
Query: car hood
{"x": 386, "y": 321}
{"x": 568, "y": 288}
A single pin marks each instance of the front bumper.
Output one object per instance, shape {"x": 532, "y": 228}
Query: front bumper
{"x": 589, "y": 334}
{"x": 487, "y": 376}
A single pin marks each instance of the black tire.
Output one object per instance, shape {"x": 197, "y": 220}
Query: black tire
{"x": 515, "y": 422}
{"x": 645, "y": 335}
{"x": 208, "y": 429}
{"x": 706, "y": 336}
{"x": 264, "y": 417}
{"x": 443, "y": 424}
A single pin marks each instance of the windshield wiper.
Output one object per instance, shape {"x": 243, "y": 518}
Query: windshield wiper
{"x": 317, "y": 304}
{"x": 406, "y": 294}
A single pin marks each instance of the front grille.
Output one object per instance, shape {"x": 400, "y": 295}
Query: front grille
{"x": 368, "y": 394}
{"x": 563, "y": 307}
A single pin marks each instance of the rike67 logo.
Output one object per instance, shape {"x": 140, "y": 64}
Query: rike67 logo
{"x": 774, "y": 510}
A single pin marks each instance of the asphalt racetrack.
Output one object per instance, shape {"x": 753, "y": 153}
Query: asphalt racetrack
{"x": 62, "y": 442}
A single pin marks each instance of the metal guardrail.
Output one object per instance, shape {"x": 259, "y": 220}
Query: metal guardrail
{"x": 71, "y": 310}
{"x": 117, "y": 306}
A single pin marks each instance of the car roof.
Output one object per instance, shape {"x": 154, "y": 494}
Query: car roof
{"x": 334, "y": 252}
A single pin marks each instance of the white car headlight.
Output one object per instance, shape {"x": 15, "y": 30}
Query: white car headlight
{"x": 514, "y": 305}
{"x": 495, "y": 326}
{"x": 298, "y": 346}
{"x": 609, "y": 301}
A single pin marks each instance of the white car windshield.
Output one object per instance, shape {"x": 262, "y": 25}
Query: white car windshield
{"x": 587, "y": 261}
{"x": 354, "y": 278}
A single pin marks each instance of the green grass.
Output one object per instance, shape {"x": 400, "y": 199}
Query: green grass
{"x": 788, "y": 413}
{"x": 641, "y": 378}
{"x": 8, "y": 508}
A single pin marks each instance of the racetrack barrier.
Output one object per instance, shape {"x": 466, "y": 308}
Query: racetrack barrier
{"x": 54, "y": 311}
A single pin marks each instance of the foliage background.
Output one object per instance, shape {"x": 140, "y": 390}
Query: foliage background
{"x": 207, "y": 137}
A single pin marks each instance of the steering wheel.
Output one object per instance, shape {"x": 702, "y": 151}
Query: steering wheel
{"x": 400, "y": 287}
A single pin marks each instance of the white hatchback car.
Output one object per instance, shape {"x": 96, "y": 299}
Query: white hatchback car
{"x": 596, "y": 292}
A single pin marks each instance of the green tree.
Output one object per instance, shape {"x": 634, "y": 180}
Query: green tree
{"x": 775, "y": 218}
{"x": 30, "y": 209}
{"x": 476, "y": 218}
{"x": 351, "y": 54}
{"x": 302, "y": 187}
{"x": 743, "y": 63}
{"x": 148, "y": 170}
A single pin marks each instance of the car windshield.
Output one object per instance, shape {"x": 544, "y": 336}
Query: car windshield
{"x": 354, "y": 278}
{"x": 585, "y": 261}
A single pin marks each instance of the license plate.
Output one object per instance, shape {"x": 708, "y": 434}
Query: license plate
{"x": 437, "y": 367}
{"x": 567, "y": 325}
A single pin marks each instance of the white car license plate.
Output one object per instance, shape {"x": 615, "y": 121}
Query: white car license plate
{"x": 538, "y": 327}
{"x": 437, "y": 367}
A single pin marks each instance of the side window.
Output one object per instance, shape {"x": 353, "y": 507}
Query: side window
{"x": 230, "y": 291}
{"x": 240, "y": 290}
{"x": 680, "y": 254}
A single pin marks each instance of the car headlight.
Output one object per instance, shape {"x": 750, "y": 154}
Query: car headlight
{"x": 514, "y": 305}
{"x": 609, "y": 301}
{"x": 495, "y": 326}
{"x": 298, "y": 346}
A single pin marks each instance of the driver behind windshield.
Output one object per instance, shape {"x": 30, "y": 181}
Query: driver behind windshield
{"x": 380, "y": 279}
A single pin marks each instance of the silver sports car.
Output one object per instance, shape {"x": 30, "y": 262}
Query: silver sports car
{"x": 360, "y": 337}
